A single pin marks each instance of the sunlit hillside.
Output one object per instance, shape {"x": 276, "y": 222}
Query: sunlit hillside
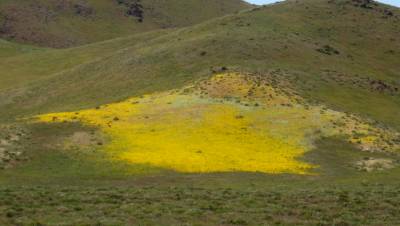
{"x": 66, "y": 23}
{"x": 196, "y": 112}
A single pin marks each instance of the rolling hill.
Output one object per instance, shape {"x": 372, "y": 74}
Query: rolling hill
{"x": 66, "y": 23}
{"x": 295, "y": 41}
{"x": 285, "y": 114}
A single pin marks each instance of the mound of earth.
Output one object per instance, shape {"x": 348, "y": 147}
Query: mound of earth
{"x": 230, "y": 122}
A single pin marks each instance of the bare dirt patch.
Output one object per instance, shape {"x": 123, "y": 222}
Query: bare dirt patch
{"x": 375, "y": 164}
{"x": 81, "y": 139}
{"x": 11, "y": 139}
{"x": 4, "y": 142}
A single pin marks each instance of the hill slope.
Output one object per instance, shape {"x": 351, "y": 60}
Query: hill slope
{"x": 239, "y": 120}
{"x": 65, "y": 23}
{"x": 299, "y": 42}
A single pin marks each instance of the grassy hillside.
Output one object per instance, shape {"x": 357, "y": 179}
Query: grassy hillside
{"x": 9, "y": 49}
{"x": 39, "y": 62}
{"x": 180, "y": 126}
{"x": 65, "y": 23}
{"x": 298, "y": 42}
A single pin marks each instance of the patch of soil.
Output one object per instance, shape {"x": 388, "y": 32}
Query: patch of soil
{"x": 375, "y": 164}
{"x": 81, "y": 139}
{"x": 11, "y": 148}
{"x": 4, "y": 142}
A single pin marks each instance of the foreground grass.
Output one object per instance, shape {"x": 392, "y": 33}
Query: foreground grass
{"x": 66, "y": 187}
{"x": 364, "y": 205}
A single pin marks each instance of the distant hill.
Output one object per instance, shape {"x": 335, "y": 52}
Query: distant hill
{"x": 65, "y": 23}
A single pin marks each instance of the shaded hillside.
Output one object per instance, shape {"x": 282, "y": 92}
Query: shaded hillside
{"x": 65, "y": 23}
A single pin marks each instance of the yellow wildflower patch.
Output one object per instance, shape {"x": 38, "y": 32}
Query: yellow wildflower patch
{"x": 227, "y": 123}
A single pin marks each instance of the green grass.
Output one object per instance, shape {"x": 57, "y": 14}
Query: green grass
{"x": 383, "y": 108}
{"x": 9, "y": 49}
{"x": 48, "y": 162}
{"x": 25, "y": 66}
{"x": 61, "y": 24}
{"x": 282, "y": 37}
{"x": 84, "y": 188}
{"x": 70, "y": 187}
{"x": 153, "y": 205}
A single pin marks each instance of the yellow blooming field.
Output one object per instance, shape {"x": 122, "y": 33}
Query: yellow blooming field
{"x": 231, "y": 122}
